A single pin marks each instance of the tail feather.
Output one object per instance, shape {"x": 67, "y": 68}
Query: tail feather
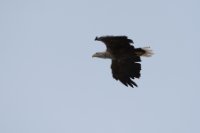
{"x": 148, "y": 52}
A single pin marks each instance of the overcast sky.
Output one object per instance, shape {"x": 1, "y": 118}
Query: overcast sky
{"x": 49, "y": 83}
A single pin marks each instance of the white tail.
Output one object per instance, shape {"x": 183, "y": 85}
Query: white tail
{"x": 148, "y": 52}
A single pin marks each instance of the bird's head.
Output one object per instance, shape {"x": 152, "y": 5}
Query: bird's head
{"x": 99, "y": 55}
{"x": 104, "y": 55}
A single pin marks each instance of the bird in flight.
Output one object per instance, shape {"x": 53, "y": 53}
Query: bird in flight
{"x": 125, "y": 58}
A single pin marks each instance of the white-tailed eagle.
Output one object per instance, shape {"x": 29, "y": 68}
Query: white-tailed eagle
{"x": 125, "y": 58}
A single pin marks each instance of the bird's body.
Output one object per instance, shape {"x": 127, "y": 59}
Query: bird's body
{"x": 125, "y": 58}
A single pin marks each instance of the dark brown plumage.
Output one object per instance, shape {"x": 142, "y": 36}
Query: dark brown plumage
{"x": 125, "y": 58}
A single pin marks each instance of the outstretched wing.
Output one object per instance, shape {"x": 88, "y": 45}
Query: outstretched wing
{"x": 125, "y": 70}
{"x": 125, "y": 66}
{"x": 115, "y": 42}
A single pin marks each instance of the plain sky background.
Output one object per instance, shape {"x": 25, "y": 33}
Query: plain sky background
{"x": 49, "y": 83}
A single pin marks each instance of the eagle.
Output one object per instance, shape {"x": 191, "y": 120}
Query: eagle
{"x": 125, "y": 58}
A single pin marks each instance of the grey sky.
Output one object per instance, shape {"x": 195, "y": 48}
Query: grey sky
{"x": 49, "y": 82}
